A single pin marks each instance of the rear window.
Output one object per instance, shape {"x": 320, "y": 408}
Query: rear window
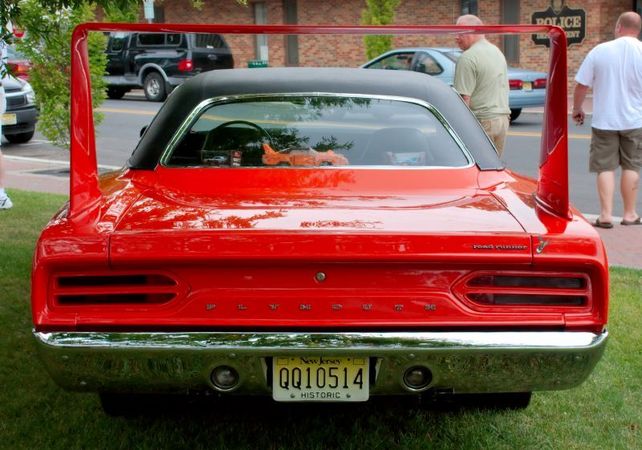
{"x": 158, "y": 39}
{"x": 173, "y": 39}
{"x": 312, "y": 131}
{"x": 117, "y": 41}
{"x": 209, "y": 41}
{"x": 453, "y": 55}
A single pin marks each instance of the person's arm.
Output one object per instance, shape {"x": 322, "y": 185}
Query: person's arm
{"x": 465, "y": 80}
{"x": 578, "y": 100}
{"x": 584, "y": 81}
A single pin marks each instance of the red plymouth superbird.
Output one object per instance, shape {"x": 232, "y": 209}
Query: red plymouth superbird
{"x": 420, "y": 267}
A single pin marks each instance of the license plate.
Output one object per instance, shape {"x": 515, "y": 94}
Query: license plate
{"x": 9, "y": 119}
{"x": 320, "y": 379}
{"x": 527, "y": 86}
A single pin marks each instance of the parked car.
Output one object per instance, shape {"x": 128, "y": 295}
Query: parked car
{"x": 19, "y": 120}
{"x": 418, "y": 265}
{"x": 158, "y": 62}
{"x": 527, "y": 88}
{"x": 18, "y": 64}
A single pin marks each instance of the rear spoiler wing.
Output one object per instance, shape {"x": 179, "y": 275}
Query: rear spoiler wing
{"x": 552, "y": 187}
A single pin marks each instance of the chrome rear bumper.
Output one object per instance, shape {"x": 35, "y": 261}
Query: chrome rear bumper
{"x": 180, "y": 362}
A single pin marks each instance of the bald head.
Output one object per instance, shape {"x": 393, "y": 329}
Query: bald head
{"x": 469, "y": 19}
{"x": 628, "y": 24}
{"x": 465, "y": 41}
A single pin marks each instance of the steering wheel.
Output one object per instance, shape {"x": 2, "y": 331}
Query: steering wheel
{"x": 260, "y": 129}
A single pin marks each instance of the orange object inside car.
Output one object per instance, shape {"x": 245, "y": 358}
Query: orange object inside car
{"x": 302, "y": 157}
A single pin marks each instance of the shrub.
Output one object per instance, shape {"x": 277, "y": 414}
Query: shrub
{"x": 378, "y": 12}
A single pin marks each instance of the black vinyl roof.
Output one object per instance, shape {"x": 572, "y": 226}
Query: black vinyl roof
{"x": 400, "y": 83}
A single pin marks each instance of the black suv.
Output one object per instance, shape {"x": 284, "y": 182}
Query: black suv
{"x": 158, "y": 62}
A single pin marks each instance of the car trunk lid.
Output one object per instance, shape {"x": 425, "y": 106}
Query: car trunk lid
{"x": 337, "y": 214}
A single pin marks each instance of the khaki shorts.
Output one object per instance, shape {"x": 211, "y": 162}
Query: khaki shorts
{"x": 613, "y": 148}
{"x": 496, "y": 129}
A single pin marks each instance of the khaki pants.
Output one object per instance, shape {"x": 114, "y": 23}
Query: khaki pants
{"x": 496, "y": 129}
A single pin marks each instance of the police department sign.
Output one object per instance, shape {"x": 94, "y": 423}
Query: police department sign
{"x": 573, "y": 21}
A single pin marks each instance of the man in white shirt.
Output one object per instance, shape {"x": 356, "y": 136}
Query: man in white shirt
{"x": 614, "y": 71}
{"x": 5, "y": 201}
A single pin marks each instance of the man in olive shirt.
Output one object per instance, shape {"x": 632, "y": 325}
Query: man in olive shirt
{"x": 482, "y": 81}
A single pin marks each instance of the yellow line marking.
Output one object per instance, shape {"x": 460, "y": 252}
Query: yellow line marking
{"x": 536, "y": 134}
{"x": 136, "y": 112}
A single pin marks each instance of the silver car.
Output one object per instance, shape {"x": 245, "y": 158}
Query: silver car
{"x": 19, "y": 120}
{"x": 527, "y": 87}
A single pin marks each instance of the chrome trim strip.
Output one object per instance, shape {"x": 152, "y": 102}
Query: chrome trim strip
{"x": 187, "y": 123}
{"x": 183, "y": 361}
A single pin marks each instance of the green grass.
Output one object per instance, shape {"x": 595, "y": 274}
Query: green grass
{"x": 604, "y": 413}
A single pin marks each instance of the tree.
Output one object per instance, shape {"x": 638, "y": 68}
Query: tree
{"x": 378, "y": 12}
{"x": 47, "y": 45}
{"x": 10, "y": 9}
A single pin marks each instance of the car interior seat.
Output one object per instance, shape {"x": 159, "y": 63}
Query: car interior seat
{"x": 398, "y": 146}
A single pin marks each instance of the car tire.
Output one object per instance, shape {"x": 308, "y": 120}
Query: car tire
{"x": 19, "y": 138}
{"x": 497, "y": 401}
{"x": 514, "y": 114}
{"x": 154, "y": 87}
{"x": 116, "y": 93}
{"x": 116, "y": 404}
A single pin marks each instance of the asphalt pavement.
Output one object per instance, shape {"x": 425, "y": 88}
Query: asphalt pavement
{"x": 48, "y": 172}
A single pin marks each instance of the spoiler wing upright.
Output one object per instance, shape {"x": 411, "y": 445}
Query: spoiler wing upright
{"x": 552, "y": 190}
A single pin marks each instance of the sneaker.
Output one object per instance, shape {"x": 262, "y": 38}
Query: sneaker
{"x": 5, "y": 203}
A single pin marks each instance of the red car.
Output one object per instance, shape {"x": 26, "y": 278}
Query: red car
{"x": 424, "y": 267}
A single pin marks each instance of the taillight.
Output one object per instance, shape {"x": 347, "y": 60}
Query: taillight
{"x": 185, "y": 65}
{"x": 540, "y": 83}
{"x": 139, "y": 289}
{"x": 19, "y": 69}
{"x": 491, "y": 289}
{"x": 515, "y": 84}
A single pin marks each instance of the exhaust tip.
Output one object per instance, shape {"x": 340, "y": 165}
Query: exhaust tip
{"x": 417, "y": 378}
{"x": 225, "y": 378}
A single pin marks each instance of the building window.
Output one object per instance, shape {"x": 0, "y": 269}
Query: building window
{"x": 291, "y": 41}
{"x": 261, "y": 43}
{"x": 510, "y": 14}
{"x": 469, "y": 7}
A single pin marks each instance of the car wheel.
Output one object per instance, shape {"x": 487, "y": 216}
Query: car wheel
{"x": 116, "y": 93}
{"x": 19, "y": 138}
{"x": 514, "y": 113}
{"x": 154, "y": 87}
{"x": 500, "y": 400}
{"x": 115, "y": 404}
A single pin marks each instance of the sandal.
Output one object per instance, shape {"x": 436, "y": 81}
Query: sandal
{"x": 631, "y": 222}
{"x": 599, "y": 224}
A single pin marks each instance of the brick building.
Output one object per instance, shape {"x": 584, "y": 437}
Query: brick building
{"x": 593, "y": 20}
